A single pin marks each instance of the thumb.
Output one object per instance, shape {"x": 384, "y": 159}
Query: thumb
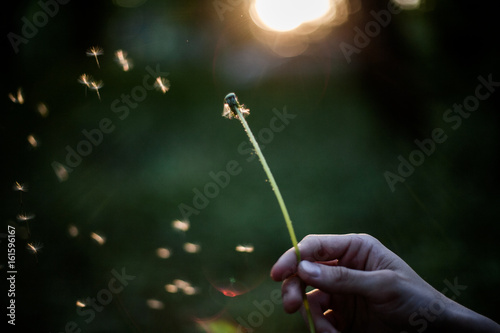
{"x": 337, "y": 279}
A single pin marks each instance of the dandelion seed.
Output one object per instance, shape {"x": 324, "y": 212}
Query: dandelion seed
{"x": 20, "y": 97}
{"x": 23, "y": 217}
{"x": 81, "y": 304}
{"x": 244, "y": 248}
{"x": 42, "y": 109}
{"x": 60, "y": 170}
{"x": 98, "y": 238}
{"x": 180, "y": 225}
{"x": 190, "y": 290}
{"x": 95, "y": 51}
{"x": 155, "y": 304}
{"x": 192, "y": 248}
{"x": 73, "y": 230}
{"x": 85, "y": 79}
{"x": 96, "y": 86}
{"x": 162, "y": 84}
{"x": 19, "y": 187}
{"x": 163, "y": 253}
{"x": 181, "y": 284}
{"x": 171, "y": 288}
{"x": 17, "y": 99}
{"x": 121, "y": 57}
{"x": 34, "y": 247}
{"x": 33, "y": 142}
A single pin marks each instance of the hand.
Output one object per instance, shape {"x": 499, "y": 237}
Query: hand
{"x": 364, "y": 287}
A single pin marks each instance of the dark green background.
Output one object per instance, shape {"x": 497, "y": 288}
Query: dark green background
{"x": 352, "y": 122}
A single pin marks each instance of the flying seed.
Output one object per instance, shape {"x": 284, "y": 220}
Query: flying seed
{"x": 95, "y": 51}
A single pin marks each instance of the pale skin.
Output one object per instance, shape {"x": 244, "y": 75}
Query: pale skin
{"x": 361, "y": 286}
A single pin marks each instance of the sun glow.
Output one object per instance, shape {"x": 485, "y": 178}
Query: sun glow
{"x": 281, "y": 15}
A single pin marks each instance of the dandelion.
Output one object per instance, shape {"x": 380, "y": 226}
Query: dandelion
{"x": 233, "y": 109}
{"x": 95, "y": 51}
{"x": 96, "y": 86}
{"x": 162, "y": 84}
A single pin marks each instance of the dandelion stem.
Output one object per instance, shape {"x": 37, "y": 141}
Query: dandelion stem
{"x": 281, "y": 202}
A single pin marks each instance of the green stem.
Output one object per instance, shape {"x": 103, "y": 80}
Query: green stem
{"x": 281, "y": 202}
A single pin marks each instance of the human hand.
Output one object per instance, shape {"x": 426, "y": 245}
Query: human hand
{"x": 361, "y": 285}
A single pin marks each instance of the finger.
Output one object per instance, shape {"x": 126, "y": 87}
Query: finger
{"x": 337, "y": 279}
{"x": 318, "y": 303}
{"x": 352, "y": 248}
{"x": 292, "y": 291}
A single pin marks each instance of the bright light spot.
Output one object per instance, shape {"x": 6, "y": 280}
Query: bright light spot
{"x": 72, "y": 230}
{"x": 42, "y": 109}
{"x": 189, "y": 290}
{"x": 408, "y": 4}
{"x": 180, "y": 225}
{"x": 244, "y": 248}
{"x": 155, "y": 304}
{"x": 80, "y": 304}
{"x": 98, "y": 238}
{"x": 171, "y": 288}
{"x": 192, "y": 248}
{"x": 32, "y": 140}
{"x": 282, "y": 15}
{"x": 163, "y": 253}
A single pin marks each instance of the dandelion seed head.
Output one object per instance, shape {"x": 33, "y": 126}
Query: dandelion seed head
{"x": 231, "y": 105}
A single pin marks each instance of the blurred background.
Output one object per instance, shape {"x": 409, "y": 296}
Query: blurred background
{"x": 132, "y": 182}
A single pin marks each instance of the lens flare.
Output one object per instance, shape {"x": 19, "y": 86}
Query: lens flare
{"x": 283, "y": 16}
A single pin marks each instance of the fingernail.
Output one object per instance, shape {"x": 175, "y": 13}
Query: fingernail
{"x": 312, "y": 269}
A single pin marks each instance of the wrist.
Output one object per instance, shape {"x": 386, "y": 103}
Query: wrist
{"x": 457, "y": 318}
